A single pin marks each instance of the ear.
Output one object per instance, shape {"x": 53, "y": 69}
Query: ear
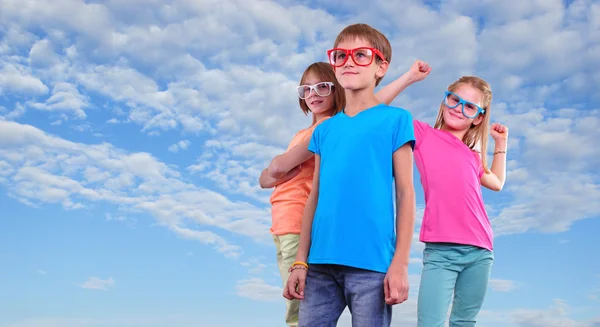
{"x": 382, "y": 69}
{"x": 478, "y": 120}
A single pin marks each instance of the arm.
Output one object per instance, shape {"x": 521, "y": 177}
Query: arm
{"x": 266, "y": 181}
{"x": 417, "y": 72}
{"x": 405, "y": 205}
{"x": 396, "y": 280}
{"x": 283, "y": 163}
{"x": 309, "y": 214}
{"x": 495, "y": 179}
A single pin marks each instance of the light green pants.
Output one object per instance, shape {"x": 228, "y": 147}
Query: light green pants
{"x": 287, "y": 247}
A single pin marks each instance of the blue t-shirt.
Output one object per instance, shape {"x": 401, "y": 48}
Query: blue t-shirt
{"x": 354, "y": 222}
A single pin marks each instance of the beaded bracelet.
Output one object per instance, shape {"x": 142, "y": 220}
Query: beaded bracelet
{"x": 292, "y": 268}
{"x": 502, "y": 151}
{"x": 298, "y": 265}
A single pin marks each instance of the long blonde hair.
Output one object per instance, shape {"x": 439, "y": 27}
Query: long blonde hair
{"x": 477, "y": 134}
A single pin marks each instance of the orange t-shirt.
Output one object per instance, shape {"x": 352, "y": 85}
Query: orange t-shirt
{"x": 289, "y": 198}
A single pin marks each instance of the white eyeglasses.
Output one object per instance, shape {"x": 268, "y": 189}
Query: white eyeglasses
{"x": 322, "y": 89}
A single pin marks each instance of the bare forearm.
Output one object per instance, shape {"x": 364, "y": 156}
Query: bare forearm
{"x": 388, "y": 93}
{"x": 499, "y": 162}
{"x": 267, "y": 181}
{"x": 306, "y": 229}
{"x": 405, "y": 224}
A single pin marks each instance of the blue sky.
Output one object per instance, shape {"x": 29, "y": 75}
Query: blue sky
{"x": 132, "y": 134}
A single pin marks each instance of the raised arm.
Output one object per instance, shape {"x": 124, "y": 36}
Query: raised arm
{"x": 417, "y": 72}
{"x": 494, "y": 180}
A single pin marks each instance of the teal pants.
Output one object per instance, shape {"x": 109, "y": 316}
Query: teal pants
{"x": 448, "y": 269}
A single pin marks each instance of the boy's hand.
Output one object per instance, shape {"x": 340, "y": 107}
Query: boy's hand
{"x": 419, "y": 70}
{"x": 396, "y": 285}
{"x": 294, "y": 289}
{"x": 499, "y": 132}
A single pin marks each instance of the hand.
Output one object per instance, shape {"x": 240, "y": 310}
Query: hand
{"x": 419, "y": 70}
{"x": 499, "y": 132}
{"x": 294, "y": 288}
{"x": 396, "y": 285}
{"x": 292, "y": 173}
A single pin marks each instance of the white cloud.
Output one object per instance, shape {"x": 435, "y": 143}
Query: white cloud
{"x": 502, "y": 285}
{"x": 46, "y": 169}
{"x": 17, "y": 79}
{"x": 257, "y": 289}
{"x": 181, "y": 145}
{"x": 95, "y": 283}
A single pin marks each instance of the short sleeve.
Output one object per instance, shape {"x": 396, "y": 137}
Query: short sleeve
{"x": 404, "y": 131}
{"x": 420, "y": 130}
{"x": 314, "y": 145}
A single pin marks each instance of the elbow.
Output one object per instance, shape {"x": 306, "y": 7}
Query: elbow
{"x": 276, "y": 168}
{"x": 497, "y": 187}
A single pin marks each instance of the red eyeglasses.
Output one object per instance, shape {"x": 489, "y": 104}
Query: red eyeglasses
{"x": 361, "y": 56}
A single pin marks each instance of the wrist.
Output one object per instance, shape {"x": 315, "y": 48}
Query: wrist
{"x": 398, "y": 263}
{"x": 500, "y": 144}
{"x": 409, "y": 78}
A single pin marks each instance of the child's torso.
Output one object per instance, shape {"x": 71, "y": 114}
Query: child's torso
{"x": 450, "y": 175}
{"x": 289, "y": 198}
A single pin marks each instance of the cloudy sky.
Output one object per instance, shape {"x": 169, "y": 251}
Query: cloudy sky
{"x": 132, "y": 134}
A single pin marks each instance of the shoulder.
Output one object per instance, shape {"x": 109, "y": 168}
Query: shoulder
{"x": 395, "y": 112}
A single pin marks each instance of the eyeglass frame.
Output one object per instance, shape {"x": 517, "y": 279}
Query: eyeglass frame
{"x": 462, "y": 102}
{"x": 350, "y": 53}
{"x": 314, "y": 88}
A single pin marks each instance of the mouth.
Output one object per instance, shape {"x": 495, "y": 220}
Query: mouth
{"x": 315, "y": 102}
{"x": 455, "y": 115}
{"x": 349, "y": 73}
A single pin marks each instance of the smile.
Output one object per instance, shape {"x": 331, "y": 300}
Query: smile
{"x": 316, "y": 102}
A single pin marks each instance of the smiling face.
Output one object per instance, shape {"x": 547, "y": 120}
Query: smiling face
{"x": 316, "y": 103}
{"x": 453, "y": 117}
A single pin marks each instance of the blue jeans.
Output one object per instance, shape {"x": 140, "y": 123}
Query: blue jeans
{"x": 448, "y": 268}
{"x": 330, "y": 288}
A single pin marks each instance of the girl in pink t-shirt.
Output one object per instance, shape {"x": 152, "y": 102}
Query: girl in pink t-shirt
{"x": 452, "y": 161}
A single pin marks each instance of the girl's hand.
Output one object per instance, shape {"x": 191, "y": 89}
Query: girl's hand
{"x": 499, "y": 132}
{"x": 419, "y": 70}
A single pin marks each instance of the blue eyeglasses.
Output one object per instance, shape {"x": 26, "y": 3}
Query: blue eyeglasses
{"x": 469, "y": 109}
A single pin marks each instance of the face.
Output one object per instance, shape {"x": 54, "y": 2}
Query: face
{"x": 353, "y": 74}
{"x": 454, "y": 117}
{"x": 317, "y": 103}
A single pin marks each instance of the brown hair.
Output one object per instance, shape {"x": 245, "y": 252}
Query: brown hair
{"x": 372, "y": 36}
{"x": 477, "y": 133}
{"x": 324, "y": 72}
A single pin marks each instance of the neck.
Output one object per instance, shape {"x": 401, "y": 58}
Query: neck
{"x": 359, "y": 100}
{"x": 321, "y": 115}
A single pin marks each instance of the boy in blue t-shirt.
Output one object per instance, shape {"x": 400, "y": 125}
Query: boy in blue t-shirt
{"x": 348, "y": 236}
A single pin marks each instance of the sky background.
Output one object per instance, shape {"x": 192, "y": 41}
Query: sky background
{"x": 133, "y": 132}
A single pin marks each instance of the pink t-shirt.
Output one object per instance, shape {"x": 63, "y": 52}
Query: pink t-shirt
{"x": 450, "y": 175}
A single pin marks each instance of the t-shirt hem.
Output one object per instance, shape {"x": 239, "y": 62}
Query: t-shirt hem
{"x": 489, "y": 247}
{"x": 380, "y": 269}
{"x": 284, "y": 231}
